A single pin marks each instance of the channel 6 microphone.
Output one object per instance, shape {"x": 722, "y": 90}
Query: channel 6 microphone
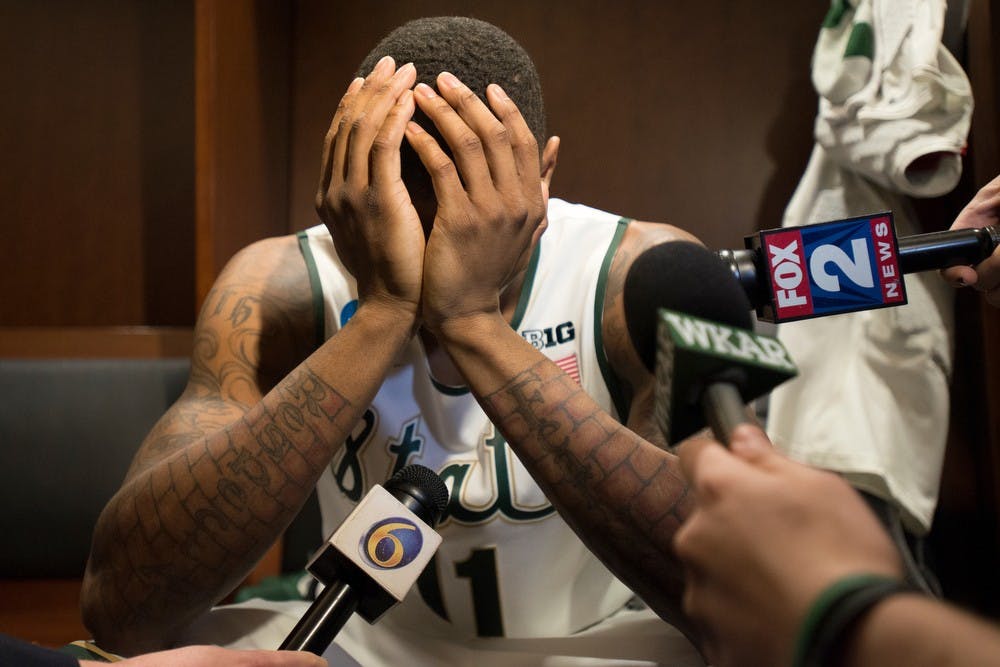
{"x": 843, "y": 266}
{"x": 689, "y": 321}
{"x": 374, "y": 557}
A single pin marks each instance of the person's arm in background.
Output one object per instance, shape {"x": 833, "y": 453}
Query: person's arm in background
{"x": 769, "y": 535}
{"x": 17, "y": 653}
{"x": 230, "y": 464}
{"x": 623, "y": 495}
{"x": 983, "y": 210}
{"x": 213, "y": 656}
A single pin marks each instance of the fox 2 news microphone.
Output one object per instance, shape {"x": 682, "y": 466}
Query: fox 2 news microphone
{"x": 690, "y": 323}
{"x": 374, "y": 557}
{"x": 845, "y": 265}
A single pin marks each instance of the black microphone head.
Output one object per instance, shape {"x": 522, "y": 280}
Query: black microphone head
{"x": 421, "y": 490}
{"x": 685, "y": 277}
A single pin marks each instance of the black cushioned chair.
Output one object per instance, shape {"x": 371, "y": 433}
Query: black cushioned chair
{"x": 68, "y": 430}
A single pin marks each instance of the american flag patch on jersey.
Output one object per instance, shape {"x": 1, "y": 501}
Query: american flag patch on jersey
{"x": 570, "y": 366}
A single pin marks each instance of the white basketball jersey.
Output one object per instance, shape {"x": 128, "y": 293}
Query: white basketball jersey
{"x": 509, "y": 566}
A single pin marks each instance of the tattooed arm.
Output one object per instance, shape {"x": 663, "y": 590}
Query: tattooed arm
{"x": 230, "y": 464}
{"x": 614, "y": 484}
{"x": 621, "y": 493}
{"x": 227, "y": 468}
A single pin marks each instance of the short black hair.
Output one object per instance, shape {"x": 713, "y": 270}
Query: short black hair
{"x": 475, "y": 51}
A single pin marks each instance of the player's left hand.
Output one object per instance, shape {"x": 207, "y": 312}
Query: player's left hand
{"x": 491, "y": 200}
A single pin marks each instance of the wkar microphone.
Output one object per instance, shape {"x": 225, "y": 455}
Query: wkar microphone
{"x": 374, "y": 557}
{"x": 845, "y": 265}
{"x": 690, "y": 323}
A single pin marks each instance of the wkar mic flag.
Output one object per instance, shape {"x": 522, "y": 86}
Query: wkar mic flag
{"x": 694, "y": 354}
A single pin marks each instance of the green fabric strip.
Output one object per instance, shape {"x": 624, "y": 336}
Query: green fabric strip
{"x": 838, "y": 9}
{"x": 861, "y": 42}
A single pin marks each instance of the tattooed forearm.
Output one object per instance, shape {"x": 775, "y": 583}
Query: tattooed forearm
{"x": 625, "y": 497}
{"x": 228, "y": 466}
{"x": 206, "y": 514}
{"x": 582, "y": 450}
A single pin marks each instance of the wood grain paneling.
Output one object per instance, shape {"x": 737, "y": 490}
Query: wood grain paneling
{"x": 241, "y": 127}
{"x": 699, "y": 114}
{"x": 96, "y": 175}
{"x": 95, "y": 342}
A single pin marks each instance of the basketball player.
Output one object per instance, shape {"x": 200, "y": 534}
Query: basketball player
{"x": 447, "y": 312}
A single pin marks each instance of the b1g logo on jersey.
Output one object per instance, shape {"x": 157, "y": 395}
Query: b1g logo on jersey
{"x": 833, "y": 267}
{"x": 392, "y": 543}
{"x": 550, "y": 336}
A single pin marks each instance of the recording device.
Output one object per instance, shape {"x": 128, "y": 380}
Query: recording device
{"x": 690, "y": 323}
{"x": 374, "y": 557}
{"x": 845, "y": 265}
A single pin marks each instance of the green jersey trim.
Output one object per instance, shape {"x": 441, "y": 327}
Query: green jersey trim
{"x": 319, "y": 309}
{"x": 529, "y": 282}
{"x": 519, "y": 310}
{"x": 610, "y": 379}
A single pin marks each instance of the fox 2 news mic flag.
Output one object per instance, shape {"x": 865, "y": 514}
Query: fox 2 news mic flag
{"x": 831, "y": 268}
{"x": 374, "y": 557}
{"x": 707, "y": 372}
{"x": 845, "y": 265}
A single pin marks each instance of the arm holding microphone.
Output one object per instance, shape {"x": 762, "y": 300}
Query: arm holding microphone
{"x": 798, "y": 273}
{"x": 983, "y": 210}
{"x": 809, "y": 577}
{"x": 16, "y": 652}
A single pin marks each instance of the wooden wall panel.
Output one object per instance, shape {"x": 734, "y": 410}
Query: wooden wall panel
{"x": 699, "y": 114}
{"x": 241, "y": 108}
{"x": 96, "y": 170}
{"x": 95, "y": 342}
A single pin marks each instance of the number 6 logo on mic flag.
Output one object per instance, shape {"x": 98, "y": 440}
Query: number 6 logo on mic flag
{"x": 392, "y": 543}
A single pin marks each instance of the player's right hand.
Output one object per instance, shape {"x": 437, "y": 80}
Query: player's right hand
{"x": 362, "y": 198}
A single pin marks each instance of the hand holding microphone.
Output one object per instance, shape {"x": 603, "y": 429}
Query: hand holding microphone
{"x": 374, "y": 557}
{"x": 767, "y": 536}
{"x": 984, "y": 276}
{"x": 858, "y": 263}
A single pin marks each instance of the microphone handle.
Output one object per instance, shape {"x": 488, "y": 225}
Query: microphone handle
{"x": 724, "y": 410}
{"x": 939, "y": 250}
{"x": 323, "y": 620}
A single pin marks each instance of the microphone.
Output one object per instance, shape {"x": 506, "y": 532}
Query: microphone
{"x": 779, "y": 268}
{"x": 939, "y": 250}
{"x": 374, "y": 557}
{"x": 690, "y": 323}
